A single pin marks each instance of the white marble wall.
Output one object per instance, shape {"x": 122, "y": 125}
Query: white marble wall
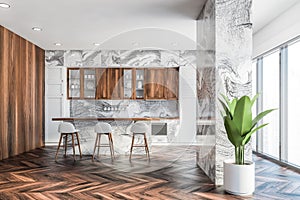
{"x": 225, "y": 46}
{"x": 121, "y": 58}
{"x": 233, "y": 64}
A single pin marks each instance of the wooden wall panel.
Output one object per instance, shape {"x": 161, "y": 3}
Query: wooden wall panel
{"x": 21, "y": 95}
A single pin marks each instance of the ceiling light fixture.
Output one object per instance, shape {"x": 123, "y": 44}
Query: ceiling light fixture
{"x": 96, "y": 44}
{"x": 4, "y": 5}
{"x": 174, "y": 44}
{"x": 37, "y": 29}
{"x": 57, "y": 44}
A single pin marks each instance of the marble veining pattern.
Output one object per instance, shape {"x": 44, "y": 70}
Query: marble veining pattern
{"x": 110, "y": 58}
{"x": 188, "y": 58}
{"x": 121, "y": 129}
{"x": 140, "y": 58}
{"x": 54, "y": 58}
{"x": 206, "y": 160}
{"x": 169, "y": 58}
{"x": 79, "y": 58}
{"x": 233, "y": 64}
{"x": 206, "y": 84}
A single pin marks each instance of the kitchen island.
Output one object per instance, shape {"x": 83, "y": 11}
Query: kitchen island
{"x": 121, "y": 132}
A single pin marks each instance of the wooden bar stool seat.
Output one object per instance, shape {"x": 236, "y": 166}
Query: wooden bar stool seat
{"x": 139, "y": 129}
{"x": 67, "y": 129}
{"x": 103, "y": 128}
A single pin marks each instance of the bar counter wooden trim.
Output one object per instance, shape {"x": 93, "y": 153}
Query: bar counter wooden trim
{"x": 111, "y": 119}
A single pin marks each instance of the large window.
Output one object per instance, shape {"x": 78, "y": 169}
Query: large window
{"x": 293, "y": 105}
{"x": 270, "y": 99}
{"x": 278, "y": 80}
{"x": 254, "y": 91}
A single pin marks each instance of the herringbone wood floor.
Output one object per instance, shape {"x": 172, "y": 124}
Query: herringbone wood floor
{"x": 171, "y": 174}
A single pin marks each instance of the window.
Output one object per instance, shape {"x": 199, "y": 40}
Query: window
{"x": 293, "y": 107}
{"x": 271, "y": 96}
{"x": 254, "y": 91}
{"x": 277, "y": 79}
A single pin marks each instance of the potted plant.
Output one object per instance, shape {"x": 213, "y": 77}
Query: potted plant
{"x": 239, "y": 175}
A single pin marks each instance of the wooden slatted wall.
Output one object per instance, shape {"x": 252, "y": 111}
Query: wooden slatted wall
{"x": 22, "y": 69}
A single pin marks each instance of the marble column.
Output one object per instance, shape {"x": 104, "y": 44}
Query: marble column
{"x": 225, "y": 50}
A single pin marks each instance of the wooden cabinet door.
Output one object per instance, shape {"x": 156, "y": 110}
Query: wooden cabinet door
{"x": 172, "y": 83}
{"x": 155, "y": 83}
{"x": 102, "y": 83}
{"x": 115, "y": 83}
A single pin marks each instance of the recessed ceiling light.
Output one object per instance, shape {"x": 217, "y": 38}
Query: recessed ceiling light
{"x": 135, "y": 44}
{"x": 96, "y": 44}
{"x": 37, "y": 29}
{"x": 174, "y": 44}
{"x": 4, "y": 5}
{"x": 57, "y": 44}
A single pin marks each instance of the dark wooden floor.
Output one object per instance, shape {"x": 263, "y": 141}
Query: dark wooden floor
{"x": 171, "y": 174}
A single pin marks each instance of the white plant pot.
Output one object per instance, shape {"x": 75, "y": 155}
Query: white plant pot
{"x": 239, "y": 179}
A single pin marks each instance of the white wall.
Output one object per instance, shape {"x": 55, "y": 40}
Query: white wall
{"x": 187, "y": 102}
{"x": 283, "y": 28}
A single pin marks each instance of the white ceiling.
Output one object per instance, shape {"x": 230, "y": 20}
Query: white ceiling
{"x": 118, "y": 24}
{"x": 265, "y": 11}
{"x": 77, "y": 24}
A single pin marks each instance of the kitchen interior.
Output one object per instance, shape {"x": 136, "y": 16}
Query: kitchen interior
{"x": 122, "y": 78}
{"x": 122, "y": 87}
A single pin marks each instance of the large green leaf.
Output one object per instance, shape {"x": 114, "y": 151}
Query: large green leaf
{"x": 232, "y": 132}
{"x": 248, "y": 136}
{"x": 226, "y": 99}
{"x": 254, "y": 99}
{"x": 260, "y": 116}
{"x": 227, "y": 111}
{"x": 243, "y": 115}
{"x": 231, "y": 105}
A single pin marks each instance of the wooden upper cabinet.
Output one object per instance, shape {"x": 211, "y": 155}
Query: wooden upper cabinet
{"x": 123, "y": 83}
{"x": 102, "y": 83}
{"x": 155, "y": 83}
{"x": 115, "y": 83}
{"x": 172, "y": 83}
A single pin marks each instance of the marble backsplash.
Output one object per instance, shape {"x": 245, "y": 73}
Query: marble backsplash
{"x": 124, "y": 108}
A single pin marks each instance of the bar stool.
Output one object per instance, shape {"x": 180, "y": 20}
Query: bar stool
{"x": 65, "y": 129}
{"x": 103, "y": 128}
{"x": 139, "y": 129}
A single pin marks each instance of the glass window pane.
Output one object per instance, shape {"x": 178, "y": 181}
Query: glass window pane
{"x": 254, "y": 79}
{"x": 293, "y": 103}
{"x": 270, "y": 96}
